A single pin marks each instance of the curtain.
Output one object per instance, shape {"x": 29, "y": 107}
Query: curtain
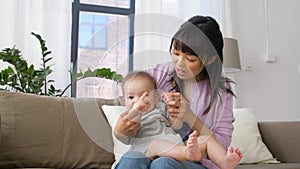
{"x": 52, "y": 20}
{"x": 49, "y": 18}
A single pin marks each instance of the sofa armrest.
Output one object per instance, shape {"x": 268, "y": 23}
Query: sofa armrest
{"x": 282, "y": 139}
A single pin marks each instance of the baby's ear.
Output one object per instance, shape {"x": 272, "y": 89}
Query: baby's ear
{"x": 157, "y": 94}
{"x": 121, "y": 100}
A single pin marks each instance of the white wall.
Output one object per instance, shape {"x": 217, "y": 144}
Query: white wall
{"x": 272, "y": 90}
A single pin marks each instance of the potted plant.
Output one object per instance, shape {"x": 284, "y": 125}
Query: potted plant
{"x": 19, "y": 76}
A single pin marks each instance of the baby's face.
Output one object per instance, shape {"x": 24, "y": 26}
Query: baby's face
{"x": 140, "y": 90}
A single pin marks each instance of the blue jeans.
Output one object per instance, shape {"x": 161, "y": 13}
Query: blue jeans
{"x": 138, "y": 160}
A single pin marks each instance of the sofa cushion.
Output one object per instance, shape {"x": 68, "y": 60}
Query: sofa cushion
{"x": 247, "y": 138}
{"x": 113, "y": 113}
{"x": 44, "y": 131}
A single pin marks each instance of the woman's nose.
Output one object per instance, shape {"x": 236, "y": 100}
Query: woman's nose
{"x": 180, "y": 61}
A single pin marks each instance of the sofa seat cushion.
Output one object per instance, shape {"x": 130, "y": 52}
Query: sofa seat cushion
{"x": 270, "y": 166}
{"x": 247, "y": 138}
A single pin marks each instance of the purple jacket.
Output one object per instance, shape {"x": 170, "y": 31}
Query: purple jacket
{"x": 220, "y": 117}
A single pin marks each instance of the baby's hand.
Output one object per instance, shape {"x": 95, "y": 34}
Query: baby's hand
{"x": 141, "y": 102}
{"x": 139, "y": 106}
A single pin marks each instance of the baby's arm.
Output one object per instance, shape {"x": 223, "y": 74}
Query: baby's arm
{"x": 176, "y": 123}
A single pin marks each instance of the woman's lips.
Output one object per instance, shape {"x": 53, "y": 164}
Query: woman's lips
{"x": 180, "y": 72}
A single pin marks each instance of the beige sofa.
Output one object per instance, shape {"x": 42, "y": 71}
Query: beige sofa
{"x": 51, "y": 132}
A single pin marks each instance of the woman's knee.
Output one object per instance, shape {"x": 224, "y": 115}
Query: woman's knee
{"x": 170, "y": 163}
{"x": 134, "y": 154}
{"x": 165, "y": 162}
{"x": 133, "y": 159}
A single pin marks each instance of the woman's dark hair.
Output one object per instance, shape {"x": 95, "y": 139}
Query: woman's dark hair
{"x": 201, "y": 36}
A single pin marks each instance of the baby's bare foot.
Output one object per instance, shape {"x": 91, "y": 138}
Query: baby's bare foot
{"x": 232, "y": 158}
{"x": 193, "y": 152}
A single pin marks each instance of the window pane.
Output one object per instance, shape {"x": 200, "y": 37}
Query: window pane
{"x": 92, "y": 25}
{"x": 111, "y": 32}
{"x": 112, "y": 3}
{"x": 100, "y": 19}
{"x": 84, "y": 35}
{"x": 86, "y": 17}
{"x": 99, "y": 39}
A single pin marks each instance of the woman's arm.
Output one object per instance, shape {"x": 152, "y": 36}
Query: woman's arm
{"x": 223, "y": 127}
{"x": 223, "y": 123}
{"x": 194, "y": 122}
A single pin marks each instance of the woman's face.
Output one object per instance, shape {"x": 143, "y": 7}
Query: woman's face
{"x": 187, "y": 66}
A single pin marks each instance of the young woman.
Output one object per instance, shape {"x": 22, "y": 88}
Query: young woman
{"x": 197, "y": 96}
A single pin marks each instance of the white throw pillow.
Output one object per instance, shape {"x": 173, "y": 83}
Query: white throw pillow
{"x": 112, "y": 114}
{"x": 247, "y": 138}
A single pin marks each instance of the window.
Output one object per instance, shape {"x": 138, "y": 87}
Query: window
{"x": 101, "y": 37}
{"x": 112, "y": 3}
{"x": 95, "y": 26}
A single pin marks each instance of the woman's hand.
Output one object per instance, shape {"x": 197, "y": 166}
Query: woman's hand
{"x": 177, "y": 105}
{"x": 179, "y": 109}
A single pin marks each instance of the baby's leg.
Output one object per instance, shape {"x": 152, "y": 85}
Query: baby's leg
{"x": 223, "y": 159}
{"x": 232, "y": 159}
{"x": 164, "y": 148}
